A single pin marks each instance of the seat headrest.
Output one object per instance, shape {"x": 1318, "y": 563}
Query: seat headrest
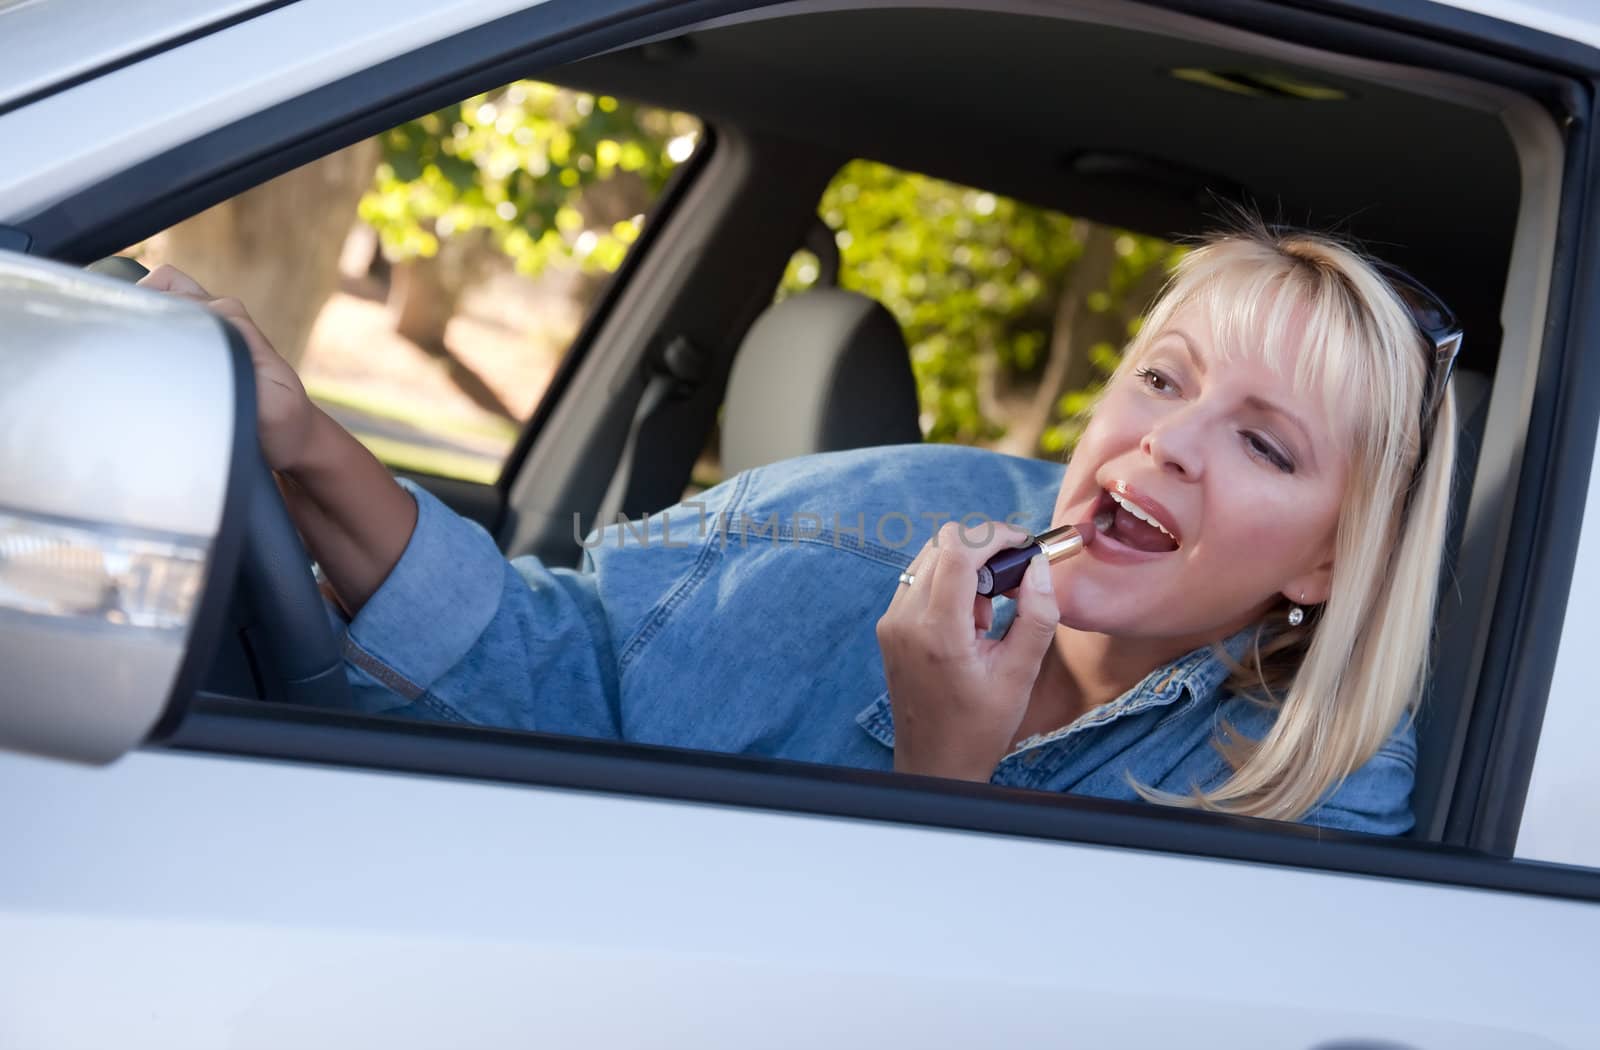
{"x": 817, "y": 372}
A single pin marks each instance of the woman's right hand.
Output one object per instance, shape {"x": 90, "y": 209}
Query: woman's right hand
{"x": 958, "y": 697}
{"x": 284, "y": 414}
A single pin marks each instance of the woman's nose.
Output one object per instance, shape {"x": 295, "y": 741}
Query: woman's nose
{"x": 1174, "y": 446}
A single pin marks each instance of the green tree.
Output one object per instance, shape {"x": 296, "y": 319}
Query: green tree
{"x": 554, "y": 176}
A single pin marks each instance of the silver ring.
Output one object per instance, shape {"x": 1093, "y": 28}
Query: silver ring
{"x": 907, "y": 578}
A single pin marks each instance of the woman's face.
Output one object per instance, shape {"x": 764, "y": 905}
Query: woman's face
{"x": 1242, "y": 471}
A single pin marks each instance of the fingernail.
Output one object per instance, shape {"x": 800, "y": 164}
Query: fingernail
{"x": 1039, "y": 574}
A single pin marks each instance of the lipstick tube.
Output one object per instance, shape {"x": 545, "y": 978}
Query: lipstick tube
{"x": 1004, "y": 571}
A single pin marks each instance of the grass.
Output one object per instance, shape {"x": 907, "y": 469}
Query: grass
{"x": 401, "y": 411}
{"x": 415, "y": 458}
{"x": 402, "y": 455}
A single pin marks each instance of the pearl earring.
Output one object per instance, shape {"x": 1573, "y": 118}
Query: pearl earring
{"x": 1297, "y": 615}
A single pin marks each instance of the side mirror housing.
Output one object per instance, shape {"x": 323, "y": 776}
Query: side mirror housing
{"x": 125, "y": 419}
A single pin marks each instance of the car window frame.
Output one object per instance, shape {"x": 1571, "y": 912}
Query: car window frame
{"x": 227, "y": 161}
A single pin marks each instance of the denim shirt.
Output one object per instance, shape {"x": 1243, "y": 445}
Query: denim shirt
{"x": 744, "y": 621}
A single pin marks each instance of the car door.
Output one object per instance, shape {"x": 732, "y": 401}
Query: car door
{"x": 249, "y": 901}
{"x": 267, "y": 875}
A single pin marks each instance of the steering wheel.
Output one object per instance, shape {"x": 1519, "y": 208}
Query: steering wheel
{"x": 285, "y": 621}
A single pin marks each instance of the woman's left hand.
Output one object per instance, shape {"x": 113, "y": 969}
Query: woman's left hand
{"x": 958, "y": 697}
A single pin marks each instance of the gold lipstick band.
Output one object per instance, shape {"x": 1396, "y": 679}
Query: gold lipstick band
{"x": 1059, "y": 543}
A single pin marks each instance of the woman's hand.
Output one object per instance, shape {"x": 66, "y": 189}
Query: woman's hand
{"x": 958, "y": 698}
{"x": 284, "y": 413}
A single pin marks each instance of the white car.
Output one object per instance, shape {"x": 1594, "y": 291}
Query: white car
{"x": 198, "y": 854}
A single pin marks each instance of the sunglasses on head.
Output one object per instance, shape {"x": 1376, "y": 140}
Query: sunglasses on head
{"x": 1440, "y": 328}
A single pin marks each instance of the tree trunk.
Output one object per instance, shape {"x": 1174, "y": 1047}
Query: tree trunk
{"x": 622, "y": 196}
{"x": 1141, "y": 296}
{"x": 1067, "y": 366}
{"x": 424, "y": 291}
{"x": 276, "y": 247}
{"x": 423, "y": 295}
{"x": 422, "y": 299}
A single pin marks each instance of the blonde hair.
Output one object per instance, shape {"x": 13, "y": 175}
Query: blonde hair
{"x": 1344, "y": 679}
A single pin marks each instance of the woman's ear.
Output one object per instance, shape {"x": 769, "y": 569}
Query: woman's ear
{"x": 1311, "y": 588}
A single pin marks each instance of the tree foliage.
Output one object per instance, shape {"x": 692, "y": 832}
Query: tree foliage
{"x": 556, "y": 176}
{"x": 1001, "y": 302}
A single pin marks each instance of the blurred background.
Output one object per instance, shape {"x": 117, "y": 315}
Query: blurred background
{"x": 438, "y": 272}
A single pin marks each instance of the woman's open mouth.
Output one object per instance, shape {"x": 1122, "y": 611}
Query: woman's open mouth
{"x": 1130, "y": 524}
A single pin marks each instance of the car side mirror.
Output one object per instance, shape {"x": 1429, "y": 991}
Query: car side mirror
{"x": 126, "y": 417}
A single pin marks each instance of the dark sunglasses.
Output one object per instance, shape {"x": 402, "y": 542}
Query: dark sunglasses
{"x": 1439, "y": 327}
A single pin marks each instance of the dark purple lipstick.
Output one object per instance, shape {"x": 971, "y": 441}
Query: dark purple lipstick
{"x": 1004, "y": 571}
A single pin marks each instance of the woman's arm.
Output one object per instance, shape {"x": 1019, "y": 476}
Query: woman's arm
{"x": 441, "y": 626}
{"x": 353, "y": 516}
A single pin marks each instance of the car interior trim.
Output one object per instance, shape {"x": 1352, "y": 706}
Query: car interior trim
{"x": 659, "y": 215}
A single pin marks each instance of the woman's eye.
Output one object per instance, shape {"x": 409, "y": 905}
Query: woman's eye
{"x": 1156, "y": 381}
{"x": 1264, "y": 451}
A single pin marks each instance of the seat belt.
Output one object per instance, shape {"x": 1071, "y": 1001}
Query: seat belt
{"x": 676, "y": 373}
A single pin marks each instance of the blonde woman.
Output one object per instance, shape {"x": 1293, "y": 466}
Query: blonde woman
{"x": 1249, "y": 633}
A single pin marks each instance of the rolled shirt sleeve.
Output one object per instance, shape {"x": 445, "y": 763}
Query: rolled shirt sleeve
{"x": 458, "y": 633}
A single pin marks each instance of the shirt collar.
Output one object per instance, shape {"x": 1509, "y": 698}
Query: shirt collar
{"x": 1203, "y": 671}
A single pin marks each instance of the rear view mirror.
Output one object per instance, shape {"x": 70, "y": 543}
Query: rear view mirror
{"x": 120, "y": 505}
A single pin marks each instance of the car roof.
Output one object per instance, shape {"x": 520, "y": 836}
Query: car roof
{"x": 49, "y": 44}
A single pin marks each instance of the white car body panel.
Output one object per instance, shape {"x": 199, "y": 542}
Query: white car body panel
{"x": 297, "y": 906}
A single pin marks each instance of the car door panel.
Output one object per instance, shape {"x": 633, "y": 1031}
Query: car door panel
{"x": 267, "y": 903}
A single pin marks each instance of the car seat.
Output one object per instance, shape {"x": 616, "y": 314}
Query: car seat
{"x": 820, "y": 371}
